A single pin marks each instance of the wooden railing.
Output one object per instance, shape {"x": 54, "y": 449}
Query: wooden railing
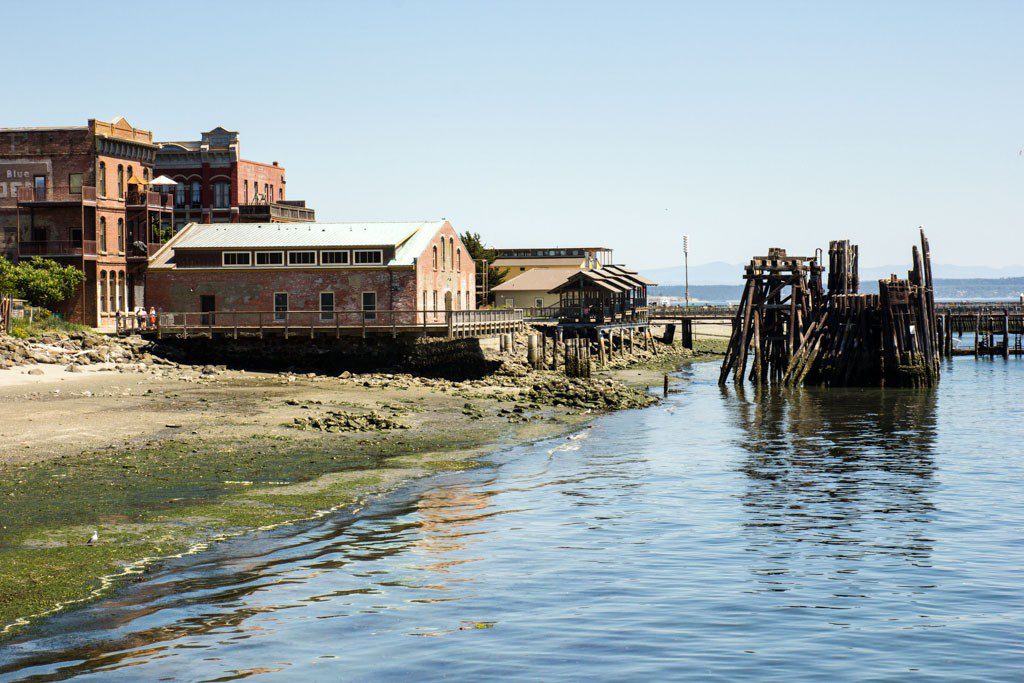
{"x": 273, "y": 211}
{"x": 153, "y": 200}
{"x": 65, "y": 195}
{"x": 474, "y": 323}
{"x": 603, "y": 315}
{"x": 57, "y": 248}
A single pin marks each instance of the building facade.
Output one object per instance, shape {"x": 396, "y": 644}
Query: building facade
{"x": 81, "y": 195}
{"x": 532, "y": 289}
{"x": 215, "y": 185}
{"x": 517, "y": 261}
{"x": 314, "y": 273}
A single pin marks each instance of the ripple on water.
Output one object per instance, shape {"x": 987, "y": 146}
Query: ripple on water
{"x": 791, "y": 535}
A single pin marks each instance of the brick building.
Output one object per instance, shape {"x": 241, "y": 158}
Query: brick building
{"x": 81, "y": 195}
{"x": 315, "y": 272}
{"x": 215, "y": 185}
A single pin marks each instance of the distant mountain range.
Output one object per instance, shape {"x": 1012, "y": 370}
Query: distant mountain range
{"x": 983, "y": 289}
{"x": 721, "y": 273}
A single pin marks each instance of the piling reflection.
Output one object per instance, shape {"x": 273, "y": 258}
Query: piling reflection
{"x": 835, "y": 477}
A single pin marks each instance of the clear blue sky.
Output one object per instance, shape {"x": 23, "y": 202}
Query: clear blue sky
{"x": 746, "y": 125}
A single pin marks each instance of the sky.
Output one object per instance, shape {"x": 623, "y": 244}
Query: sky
{"x": 745, "y": 125}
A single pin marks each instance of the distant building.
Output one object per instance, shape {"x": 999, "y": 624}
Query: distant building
{"x": 216, "y": 185}
{"x": 532, "y": 289}
{"x": 521, "y": 260}
{"x": 311, "y": 273}
{"x": 611, "y": 296}
{"x": 83, "y": 196}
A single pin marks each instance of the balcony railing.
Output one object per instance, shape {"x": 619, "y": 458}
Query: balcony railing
{"x": 281, "y": 212}
{"x": 151, "y": 200}
{"x": 57, "y": 195}
{"x": 58, "y": 248}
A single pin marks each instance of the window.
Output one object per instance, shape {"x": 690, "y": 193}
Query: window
{"x": 120, "y": 181}
{"x": 538, "y": 302}
{"x": 75, "y": 183}
{"x": 145, "y": 175}
{"x": 270, "y": 195}
{"x": 245, "y": 189}
{"x": 236, "y": 258}
{"x": 103, "y": 235}
{"x": 101, "y": 179}
{"x": 326, "y": 306}
{"x": 131, "y": 173}
{"x": 120, "y": 235}
{"x": 266, "y": 192}
{"x": 424, "y": 304}
{"x": 221, "y": 195}
{"x": 197, "y": 195}
{"x": 333, "y": 258}
{"x": 76, "y": 235}
{"x": 179, "y": 195}
{"x": 451, "y": 252}
{"x": 280, "y": 306}
{"x": 280, "y": 194}
{"x": 301, "y": 258}
{"x": 368, "y": 256}
{"x": 442, "y": 254}
{"x": 103, "y": 291}
{"x": 458, "y": 260}
{"x": 370, "y": 305}
{"x": 39, "y": 182}
{"x": 269, "y": 258}
{"x": 435, "y": 301}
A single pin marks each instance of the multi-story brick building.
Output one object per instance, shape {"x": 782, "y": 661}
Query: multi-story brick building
{"x": 314, "y": 272}
{"x": 81, "y": 195}
{"x": 215, "y": 185}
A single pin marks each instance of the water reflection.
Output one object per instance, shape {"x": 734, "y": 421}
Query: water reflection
{"x": 835, "y": 478}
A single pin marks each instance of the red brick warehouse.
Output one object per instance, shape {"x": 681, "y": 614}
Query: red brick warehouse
{"x": 215, "y": 185}
{"x": 315, "y": 272}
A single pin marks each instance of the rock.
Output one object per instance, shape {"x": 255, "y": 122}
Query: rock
{"x": 345, "y": 375}
{"x": 35, "y": 371}
{"x": 74, "y": 367}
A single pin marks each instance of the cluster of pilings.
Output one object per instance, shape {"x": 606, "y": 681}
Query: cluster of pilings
{"x": 577, "y": 350}
{"x": 795, "y": 333}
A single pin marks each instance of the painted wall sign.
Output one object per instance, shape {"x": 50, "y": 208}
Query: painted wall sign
{"x": 15, "y": 173}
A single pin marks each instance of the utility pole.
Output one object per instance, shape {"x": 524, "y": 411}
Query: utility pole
{"x": 686, "y": 266}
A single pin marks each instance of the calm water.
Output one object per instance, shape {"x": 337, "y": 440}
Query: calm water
{"x": 857, "y": 534}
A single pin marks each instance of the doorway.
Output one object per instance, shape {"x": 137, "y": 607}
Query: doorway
{"x": 207, "y": 305}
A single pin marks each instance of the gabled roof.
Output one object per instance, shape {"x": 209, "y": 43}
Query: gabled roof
{"x": 409, "y": 239}
{"x": 536, "y": 280}
{"x": 614, "y": 279}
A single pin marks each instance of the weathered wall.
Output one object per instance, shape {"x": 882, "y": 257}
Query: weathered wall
{"x": 454, "y": 275}
{"x": 455, "y": 359}
{"x": 252, "y": 289}
{"x": 258, "y": 175}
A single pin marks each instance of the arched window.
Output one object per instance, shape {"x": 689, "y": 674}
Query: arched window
{"x": 280, "y": 194}
{"x": 266, "y": 192}
{"x": 179, "y": 195}
{"x": 102, "y": 237}
{"x": 245, "y": 189}
{"x": 435, "y": 257}
{"x": 451, "y": 252}
{"x": 120, "y": 181}
{"x": 131, "y": 173}
{"x": 443, "y": 259}
{"x": 424, "y": 304}
{"x": 197, "y": 196}
{"x": 112, "y": 292}
{"x": 103, "y": 291}
{"x": 120, "y": 235}
{"x": 458, "y": 259}
{"x": 145, "y": 175}
{"x": 101, "y": 179}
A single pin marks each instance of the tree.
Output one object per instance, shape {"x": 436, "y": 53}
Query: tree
{"x": 39, "y": 281}
{"x": 479, "y": 251}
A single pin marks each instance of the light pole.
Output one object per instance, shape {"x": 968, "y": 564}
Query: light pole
{"x": 686, "y": 266}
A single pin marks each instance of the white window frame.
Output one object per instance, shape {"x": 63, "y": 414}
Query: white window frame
{"x": 362, "y": 306}
{"x": 224, "y": 263}
{"x": 327, "y": 316}
{"x": 538, "y": 302}
{"x": 256, "y": 258}
{"x": 379, "y": 252}
{"x": 283, "y": 316}
{"x": 346, "y": 252}
{"x": 313, "y": 263}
